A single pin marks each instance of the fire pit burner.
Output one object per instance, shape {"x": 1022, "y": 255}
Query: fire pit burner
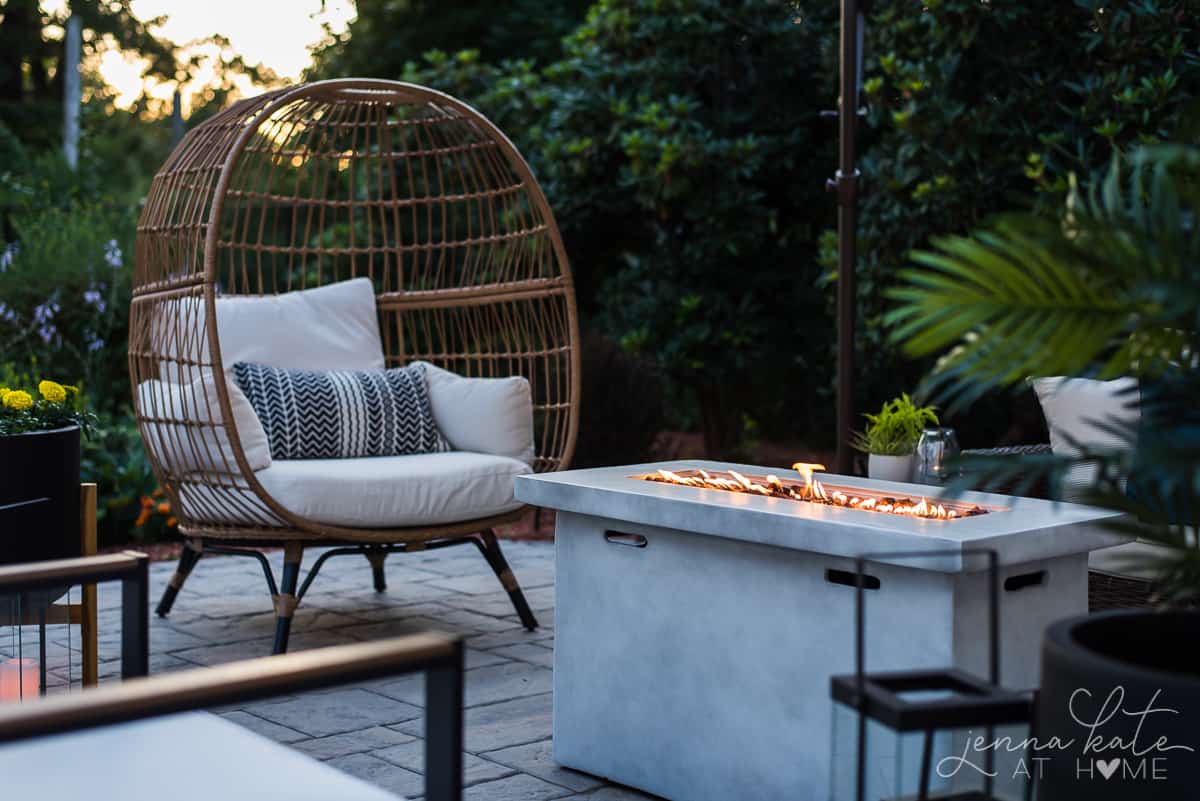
{"x": 809, "y": 490}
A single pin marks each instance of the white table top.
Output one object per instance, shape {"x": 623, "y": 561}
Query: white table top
{"x": 193, "y": 756}
{"x": 1019, "y": 530}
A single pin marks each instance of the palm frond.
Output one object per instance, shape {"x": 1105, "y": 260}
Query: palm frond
{"x": 1109, "y": 289}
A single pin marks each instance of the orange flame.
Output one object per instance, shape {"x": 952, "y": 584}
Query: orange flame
{"x": 811, "y": 490}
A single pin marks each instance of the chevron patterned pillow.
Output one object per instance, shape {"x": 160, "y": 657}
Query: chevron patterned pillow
{"x": 310, "y": 414}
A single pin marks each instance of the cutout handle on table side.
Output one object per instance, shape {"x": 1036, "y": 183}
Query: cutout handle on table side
{"x": 1022, "y": 580}
{"x": 848, "y": 578}
{"x": 626, "y": 539}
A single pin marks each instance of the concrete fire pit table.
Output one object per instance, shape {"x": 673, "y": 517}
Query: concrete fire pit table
{"x": 697, "y": 629}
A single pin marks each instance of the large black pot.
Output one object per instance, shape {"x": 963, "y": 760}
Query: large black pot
{"x": 1121, "y": 693}
{"x": 39, "y": 496}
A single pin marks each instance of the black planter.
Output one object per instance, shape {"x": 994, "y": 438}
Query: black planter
{"x": 39, "y": 496}
{"x": 1109, "y": 669}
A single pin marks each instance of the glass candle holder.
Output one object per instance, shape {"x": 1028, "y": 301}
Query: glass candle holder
{"x": 935, "y": 449}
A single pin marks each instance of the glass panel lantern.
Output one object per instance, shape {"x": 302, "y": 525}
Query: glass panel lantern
{"x": 915, "y": 750}
{"x": 927, "y": 735}
{"x": 41, "y": 643}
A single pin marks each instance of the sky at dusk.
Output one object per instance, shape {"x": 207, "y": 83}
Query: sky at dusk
{"x": 276, "y": 33}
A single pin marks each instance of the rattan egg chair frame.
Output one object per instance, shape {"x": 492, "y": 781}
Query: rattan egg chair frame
{"x": 320, "y": 183}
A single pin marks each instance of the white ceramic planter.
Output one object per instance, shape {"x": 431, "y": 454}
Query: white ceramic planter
{"x": 890, "y": 468}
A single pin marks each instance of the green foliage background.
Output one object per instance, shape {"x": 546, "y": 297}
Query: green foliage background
{"x": 681, "y": 146}
{"x": 980, "y": 108}
{"x": 387, "y": 33}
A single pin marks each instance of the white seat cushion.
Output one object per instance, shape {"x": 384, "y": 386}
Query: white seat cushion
{"x": 395, "y": 491}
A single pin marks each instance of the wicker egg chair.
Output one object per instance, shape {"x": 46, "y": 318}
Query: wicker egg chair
{"x": 320, "y": 183}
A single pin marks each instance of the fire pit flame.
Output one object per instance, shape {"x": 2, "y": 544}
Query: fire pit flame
{"x": 811, "y": 490}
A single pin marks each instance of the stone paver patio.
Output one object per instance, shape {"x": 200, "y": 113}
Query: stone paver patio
{"x": 373, "y": 730}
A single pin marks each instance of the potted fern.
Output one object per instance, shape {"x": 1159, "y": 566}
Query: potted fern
{"x": 39, "y": 471}
{"x": 1110, "y": 288}
{"x": 890, "y": 437}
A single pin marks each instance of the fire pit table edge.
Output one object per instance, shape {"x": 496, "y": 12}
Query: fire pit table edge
{"x": 1019, "y": 529}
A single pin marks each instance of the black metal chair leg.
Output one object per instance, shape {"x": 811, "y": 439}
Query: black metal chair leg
{"x": 192, "y": 550}
{"x": 376, "y": 558}
{"x": 489, "y": 546}
{"x": 285, "y": 601}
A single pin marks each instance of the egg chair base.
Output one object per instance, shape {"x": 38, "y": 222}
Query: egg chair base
{"x": 287, "y": 594}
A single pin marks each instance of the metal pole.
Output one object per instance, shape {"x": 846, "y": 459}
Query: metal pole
{"x": 846, "y": 186}
{"x": 71, "y": 91}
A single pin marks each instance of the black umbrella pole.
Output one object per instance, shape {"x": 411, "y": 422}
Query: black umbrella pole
{"x": 846, "y": 186}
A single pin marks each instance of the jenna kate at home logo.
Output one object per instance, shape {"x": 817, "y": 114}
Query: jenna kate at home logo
{"x": 1099, "y": 755}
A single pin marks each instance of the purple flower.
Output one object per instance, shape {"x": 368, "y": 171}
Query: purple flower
{"x": 112, "y": 253}
{"x": 7, "y": 314}
{"x": 43, "y": 317}
{"x": 95, "y": 344}
{"x": 44, "y": 313}
{"x": 94, "y": 297}
{"x": 6, "y": 255}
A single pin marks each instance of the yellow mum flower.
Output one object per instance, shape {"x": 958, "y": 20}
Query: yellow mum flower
{"x": 52, "y": 391}
{"x": 4, "y": 393}
{"x": 18, "y": 400}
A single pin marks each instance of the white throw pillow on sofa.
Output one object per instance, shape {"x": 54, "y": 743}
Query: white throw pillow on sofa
{"x": 483, "y": 415}
{"x": 1077, "y": 411}
{"x": 171, "y": 443}
{"x": 333, "y": 327}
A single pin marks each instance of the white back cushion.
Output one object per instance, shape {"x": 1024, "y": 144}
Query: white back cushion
{"x": 188, "y": 449}
{"x": 333, "y": 327}
{"x": 1077, "y": 411}
{"x": 483, "y": 415}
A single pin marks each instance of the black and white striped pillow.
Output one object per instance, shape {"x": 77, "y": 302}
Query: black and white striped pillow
{"x": 309, "y": 414}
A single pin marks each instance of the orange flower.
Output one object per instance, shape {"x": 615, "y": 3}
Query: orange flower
{"x": 147, "y": 503}
{"x": 164, "y": 508}
{"x": 172, "y": 522}
{"x": 142, "y": 518}
{"x": 158, "y": 492}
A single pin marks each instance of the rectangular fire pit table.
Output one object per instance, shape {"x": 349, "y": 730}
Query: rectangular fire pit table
{"x": 697, "y": 629}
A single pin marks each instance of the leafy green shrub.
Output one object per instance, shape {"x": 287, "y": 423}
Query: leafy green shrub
{"x": 385, "y": 35}
{"x": 685, "y": 163}
{"x": 978, "y": 108}
{"x": 896, "y": 429}
{"x": 114, "y": 458}
{"x": 624, "y": 399}
{"x": 64, "y": 290}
